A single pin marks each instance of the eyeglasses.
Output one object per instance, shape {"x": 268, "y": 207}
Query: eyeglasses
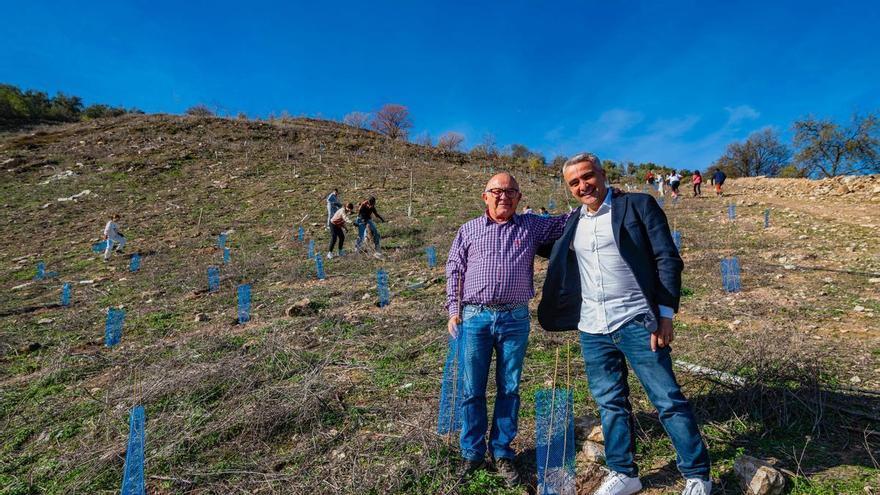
{"x": 498, "y": 192}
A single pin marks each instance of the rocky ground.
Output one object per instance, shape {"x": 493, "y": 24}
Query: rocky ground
{"x": 323, "y": 390}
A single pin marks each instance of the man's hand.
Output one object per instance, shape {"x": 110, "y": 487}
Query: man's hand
{"x": 452, "y": 326}
{"x": 663, "y": 336}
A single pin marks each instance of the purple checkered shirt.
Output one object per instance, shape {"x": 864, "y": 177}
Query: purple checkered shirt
{"x": 497, "y": 260}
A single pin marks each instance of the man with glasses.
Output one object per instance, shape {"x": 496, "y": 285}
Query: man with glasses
{"x": 615, "y": 275}
{"x": 488, "y": 287}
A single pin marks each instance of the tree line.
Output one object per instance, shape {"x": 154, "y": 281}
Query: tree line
{"x": 819, "y": 148}
{"x": 19, "y": 108}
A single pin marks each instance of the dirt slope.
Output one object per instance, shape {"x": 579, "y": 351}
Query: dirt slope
{"x": 338, "y": 395}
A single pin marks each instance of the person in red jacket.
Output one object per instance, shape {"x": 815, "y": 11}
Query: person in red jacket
{"x": 697, "y": 179}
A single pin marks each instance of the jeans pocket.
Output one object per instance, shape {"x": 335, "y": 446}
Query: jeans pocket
{"x": 521, "y": 313}
{"x": 641, "y": 325}
{"x": 469, "y": 312}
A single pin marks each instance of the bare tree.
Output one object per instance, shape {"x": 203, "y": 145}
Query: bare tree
{"x": 393, "y": 121}
{"x": 829, "y": 149}
{"x": 761, "y": 154}
{"x": 450, "y": 141}
{"x": 486, "y": 149}
{"x": 424, "y": 139}
{"x": 360, "y": 120}
{"x": 200, "y": 110}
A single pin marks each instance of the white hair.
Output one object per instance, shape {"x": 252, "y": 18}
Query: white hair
{"x": 580, "y": 158}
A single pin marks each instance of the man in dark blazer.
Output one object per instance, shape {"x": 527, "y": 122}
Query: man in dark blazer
{"x": 615, "y": 275}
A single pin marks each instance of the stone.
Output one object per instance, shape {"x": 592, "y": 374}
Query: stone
{"x": 589, "y": 427}
{"x": 758, "y": 476}
{"x": 200, "y": 317}
{"x": 592, "y": 451}
{"x": 30, "y": 347}
{"x": 44, "y": 321}
{"x": 859, "y": 309}
{"x": 300, "y": 308}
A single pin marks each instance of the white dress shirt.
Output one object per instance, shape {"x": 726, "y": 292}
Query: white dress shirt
{"x": 610, "y": 294}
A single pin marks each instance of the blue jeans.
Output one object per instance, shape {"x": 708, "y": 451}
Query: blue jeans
{"x": 362, "y": 231}
{"x": 605, "y": 357}
{"x": 507, "y": 333}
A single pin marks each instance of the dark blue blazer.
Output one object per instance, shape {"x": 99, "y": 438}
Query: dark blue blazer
{"x": 645, "y": 243}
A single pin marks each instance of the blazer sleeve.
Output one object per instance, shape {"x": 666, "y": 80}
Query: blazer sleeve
{"x": 669, "y": 263}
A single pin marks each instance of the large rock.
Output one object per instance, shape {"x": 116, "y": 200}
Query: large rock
{"x": 591, "y": 452}
{"x": 300, "y": 308}
{"x": 590, "y": 428}
{"x": 758, "y": 477}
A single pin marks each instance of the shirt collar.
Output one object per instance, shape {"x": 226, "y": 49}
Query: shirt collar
{"x": 514, "y": 219}
{"x": 606, "y": 205}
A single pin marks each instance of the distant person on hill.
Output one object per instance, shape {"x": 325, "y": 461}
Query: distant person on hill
{"x": 697, "y": 179}
{"x": 649, "y": 178}
{"x": 674, "y": 182}
{"x": 718, "y": 179}
{"x": 333, "y": 204}
{"x": 660, "y": 184}
{"x": 112, "y": 236}
{"x": 528, "y": 210}
{"x": 366, "y": 210}
{"x": 337, "y": 228}
{"x": 544, "y": 212}
{"x": 489, "y": 282}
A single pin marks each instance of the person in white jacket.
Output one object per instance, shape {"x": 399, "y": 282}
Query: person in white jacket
{"x": 333, "y": 205}
{"x": 113, "y": 236}
{"x": 337, "y": 228}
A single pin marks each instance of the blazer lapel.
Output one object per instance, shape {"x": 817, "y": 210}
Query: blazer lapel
{"x": 618, "y": 212}
{"x": 570, "y": 228}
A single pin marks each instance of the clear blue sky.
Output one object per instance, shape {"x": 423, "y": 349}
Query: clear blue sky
{"x": 670, "y": 82}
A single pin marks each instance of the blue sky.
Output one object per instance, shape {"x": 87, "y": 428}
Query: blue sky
{"x": 670, "y": 82}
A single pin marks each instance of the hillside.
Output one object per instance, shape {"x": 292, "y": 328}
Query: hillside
{"x": 323, "y": 391}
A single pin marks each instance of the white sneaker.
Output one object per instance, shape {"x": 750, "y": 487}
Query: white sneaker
{"x": 696, "y": 486}
{"x": 330, "y": 255}
{"x": 619, "y": 484}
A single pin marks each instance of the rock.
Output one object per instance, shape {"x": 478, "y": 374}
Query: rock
{"x": 30, "y": 347}
{"x": 592, "y": 451}
{"x": 300, "y": 308}
{"x": 200, "y": 317}
{"x": 859, "y": 309}
{"x": 44, "y": 321}
{"x": 758, "y": 477}
{"x": 874, "y": 280}
{"x": 855, "y": 379}
{"x": 589, "y": 427}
